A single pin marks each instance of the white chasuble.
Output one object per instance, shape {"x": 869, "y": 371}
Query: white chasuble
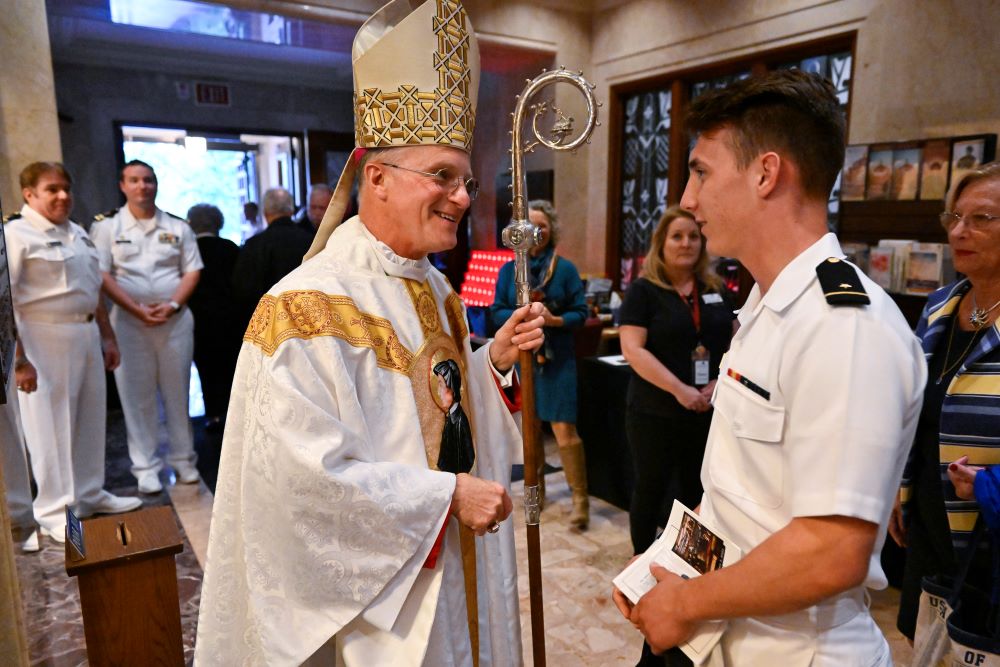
{"x": 328, "y": 499}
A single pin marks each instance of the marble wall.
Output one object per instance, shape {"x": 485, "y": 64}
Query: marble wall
{"x": 922, "y": 69}
{"x": 92, "y": 98}
{"x": 29, "y": 129}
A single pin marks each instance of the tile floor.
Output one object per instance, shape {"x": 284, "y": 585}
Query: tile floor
{"x": 582, "y": 625}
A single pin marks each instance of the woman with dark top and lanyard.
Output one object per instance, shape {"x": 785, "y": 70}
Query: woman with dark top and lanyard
{"x": 556, "y": 283}
{"x": 676, "y": 323}
{"x": 959, "y": 427}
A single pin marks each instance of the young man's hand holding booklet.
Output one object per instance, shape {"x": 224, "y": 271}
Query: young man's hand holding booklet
{"x": 689, "y": 548}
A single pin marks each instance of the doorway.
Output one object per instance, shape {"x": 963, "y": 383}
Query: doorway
{"x": 224, "y": 169}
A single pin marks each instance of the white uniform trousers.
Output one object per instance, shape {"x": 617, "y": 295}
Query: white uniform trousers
{"x": 155, "y": 358}
{"x": 806, "y": 639}
{"x": 15, "y": 463}
{"x": 64, "y": 419}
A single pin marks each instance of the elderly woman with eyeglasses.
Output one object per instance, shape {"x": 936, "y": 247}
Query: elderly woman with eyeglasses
{"x": 959, "y": 428}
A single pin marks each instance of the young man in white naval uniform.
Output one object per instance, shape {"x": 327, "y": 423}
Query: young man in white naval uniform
{"x": 817, "y": 399}
{"x": 59, "y": 365}
{"x": 150, "y": 263}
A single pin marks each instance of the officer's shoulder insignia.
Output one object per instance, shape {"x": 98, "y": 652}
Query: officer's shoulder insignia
{"x": 12, "y": 216}
{"x": 841, "y": 283}
{"x": 105, "y": 215}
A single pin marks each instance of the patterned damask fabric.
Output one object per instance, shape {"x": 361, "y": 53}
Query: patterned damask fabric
{"x": 326, "y": 508}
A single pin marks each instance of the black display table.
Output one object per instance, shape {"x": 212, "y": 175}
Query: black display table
{"x": 601, "y": 391}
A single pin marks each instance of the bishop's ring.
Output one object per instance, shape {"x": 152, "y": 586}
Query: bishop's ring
{"x": 494, "y": 527}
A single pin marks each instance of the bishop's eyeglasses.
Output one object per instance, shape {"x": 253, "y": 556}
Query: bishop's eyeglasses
{"x": 445, "y": 181}
{"x": 976, "y": 222}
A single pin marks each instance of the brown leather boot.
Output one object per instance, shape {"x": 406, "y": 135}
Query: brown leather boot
{"x": 575, "y": 467}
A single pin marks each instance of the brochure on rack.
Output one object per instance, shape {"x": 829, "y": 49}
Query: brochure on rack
{"x": 689, "y": 548}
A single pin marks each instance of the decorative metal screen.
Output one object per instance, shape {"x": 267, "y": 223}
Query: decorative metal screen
{"x": 645, "y": 159}
{"x": 837, "y": 68}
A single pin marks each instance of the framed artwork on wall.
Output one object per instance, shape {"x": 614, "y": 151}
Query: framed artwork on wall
{"x": 879, "y": 172}
{"x": 855, "y": 173}
{"x": 967, "y": 153}
{"x": 934, "y": 169}
{"x": 905, "y": 171}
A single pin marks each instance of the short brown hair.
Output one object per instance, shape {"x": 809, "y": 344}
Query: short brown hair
{"x": 137, "y": 163}
{"x": 985, "y": 172}
{"x": 30, "y": 174}
{"x": 791, "y": 112}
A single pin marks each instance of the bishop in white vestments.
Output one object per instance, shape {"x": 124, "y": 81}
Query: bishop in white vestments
{"x": 339, "y": 522}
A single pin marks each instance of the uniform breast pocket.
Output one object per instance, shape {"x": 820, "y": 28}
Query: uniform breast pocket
{"x": 166, "y": 253}
{"x": 747, "y": 458}
{"x": 84, "y": 270}
{"x": 48, "y": 265}
{"x": 124, "y": 251}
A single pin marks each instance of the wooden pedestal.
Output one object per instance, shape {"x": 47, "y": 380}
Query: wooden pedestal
{"x": 128, "y": 588}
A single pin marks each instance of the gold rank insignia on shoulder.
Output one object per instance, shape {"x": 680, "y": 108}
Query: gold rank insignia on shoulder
{"x": 12, "y": 216}
{"x": 841, "y": 283}
{"x": 105, "y": 215}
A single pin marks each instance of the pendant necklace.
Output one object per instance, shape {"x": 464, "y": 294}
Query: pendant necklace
{"x": 946, "y": 368}
{"x": 980, "y": 316}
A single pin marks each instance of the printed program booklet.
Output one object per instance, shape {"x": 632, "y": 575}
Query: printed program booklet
{"x": 689, "y": 548}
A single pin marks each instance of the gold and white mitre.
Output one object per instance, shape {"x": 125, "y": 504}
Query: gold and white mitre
{"x": 416, "y": 82}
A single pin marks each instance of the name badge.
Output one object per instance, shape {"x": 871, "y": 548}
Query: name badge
{"x": 700, "y": 358}
{"x": 711, "y": 298}
{"x": 74, "y": 531}
{"x": 122, "y": 240}
{"x": 54, "y": 244}
{"x": 168, "y": 238}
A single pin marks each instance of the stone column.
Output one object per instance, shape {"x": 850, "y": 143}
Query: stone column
{"x": 13, "y": 640}
{"x": 29, "y": 127}
{"x": 29, "y": 131}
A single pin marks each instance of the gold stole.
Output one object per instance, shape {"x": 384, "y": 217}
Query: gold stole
{"x": 437, "y": 347}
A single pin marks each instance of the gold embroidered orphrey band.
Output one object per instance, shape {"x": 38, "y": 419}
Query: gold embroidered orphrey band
{"x": 411, "y": 116}
{"x": 311, "y": 313}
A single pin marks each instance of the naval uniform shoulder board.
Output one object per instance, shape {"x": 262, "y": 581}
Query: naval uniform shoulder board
{"x": 105, "y": 215}
{"x": 841, "y": 283}
{"x": 12, "y": 216}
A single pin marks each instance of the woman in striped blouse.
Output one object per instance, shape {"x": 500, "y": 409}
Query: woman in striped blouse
{"x": 960, "y": 421}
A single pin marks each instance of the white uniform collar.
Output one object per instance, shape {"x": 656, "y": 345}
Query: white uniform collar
{"x": 393, "y": 264}
{"x": 130, "y": 220}
{"x": 43, "y": 224}
{"x": 793, "y": 280}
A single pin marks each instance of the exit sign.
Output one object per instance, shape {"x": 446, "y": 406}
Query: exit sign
{"x": 211, "y": 94}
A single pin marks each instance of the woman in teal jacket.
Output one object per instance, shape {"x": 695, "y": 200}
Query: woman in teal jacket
{"x": 556, "y": 283}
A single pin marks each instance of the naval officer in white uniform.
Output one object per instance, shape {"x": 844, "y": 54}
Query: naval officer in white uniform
{"x": 59, "y": 365}
{"x": 817, "y": 400}
{"x": 150, "y": 263}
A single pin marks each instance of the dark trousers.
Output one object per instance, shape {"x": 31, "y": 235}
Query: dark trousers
{"x": 216, "y": 367}
{"x": 667, "y": 452}
{"x": 671, "y": 658}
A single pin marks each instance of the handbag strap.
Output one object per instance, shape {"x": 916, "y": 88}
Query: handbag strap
{"x": 968, "y": 558}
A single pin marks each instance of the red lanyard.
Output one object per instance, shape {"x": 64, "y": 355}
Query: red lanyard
{"x": 694, "y": 306}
